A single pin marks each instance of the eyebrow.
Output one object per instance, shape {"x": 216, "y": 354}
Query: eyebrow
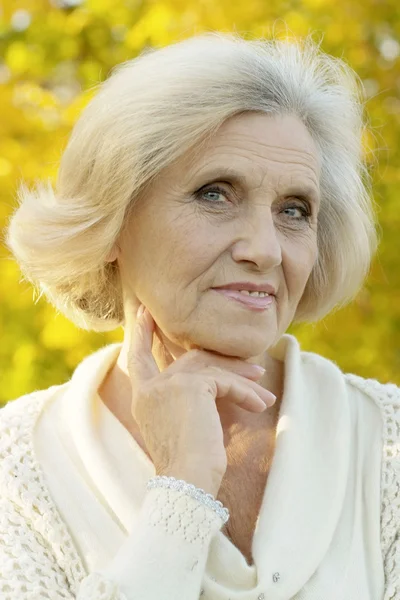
{"x": 228, "y": 173}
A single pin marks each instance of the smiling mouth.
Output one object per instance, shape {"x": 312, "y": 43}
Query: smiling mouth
{"x": 252, "y": 302}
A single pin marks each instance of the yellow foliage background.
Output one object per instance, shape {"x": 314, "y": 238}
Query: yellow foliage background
{"x": 52, "y": 53}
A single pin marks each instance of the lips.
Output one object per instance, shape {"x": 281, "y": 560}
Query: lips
{"x": 265, "y": 286}
{"x": 251, "y": 302}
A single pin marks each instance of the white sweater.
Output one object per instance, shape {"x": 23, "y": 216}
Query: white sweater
{"x": 77, "y": 521}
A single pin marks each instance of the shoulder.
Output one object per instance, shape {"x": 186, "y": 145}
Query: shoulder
{"x": 26, "y": 507}
{"x": 384, "y": 394}
{"x": 387, "y": 398}
{"x": 17, "y": 413}
{"x": 17, "y": 422}
{"x": 18, "y": 416}
{"x": 23, "y": 488}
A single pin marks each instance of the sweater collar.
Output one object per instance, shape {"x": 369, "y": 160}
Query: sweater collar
{"x": 306, "y": 483}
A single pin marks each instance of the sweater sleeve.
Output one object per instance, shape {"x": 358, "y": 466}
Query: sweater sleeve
{"x": 28, "y": 568}
{"x": 392, "y": 571}
{"x": 390, "y": 401}
{"x": 387, "y": 397}
{"x": 166, "y": 554}
{"x": 164, "y": 557}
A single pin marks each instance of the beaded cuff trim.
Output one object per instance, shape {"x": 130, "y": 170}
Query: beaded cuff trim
{"x": 190, "y": 490}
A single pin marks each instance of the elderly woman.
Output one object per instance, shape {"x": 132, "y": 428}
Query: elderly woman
{"x": 218, "y": 186}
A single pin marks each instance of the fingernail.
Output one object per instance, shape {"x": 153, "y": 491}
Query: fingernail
{"x": 259, "y": 369}
{"x": 140, "y": 311}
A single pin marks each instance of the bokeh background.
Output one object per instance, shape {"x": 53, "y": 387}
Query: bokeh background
{"x": 54, "y": 53}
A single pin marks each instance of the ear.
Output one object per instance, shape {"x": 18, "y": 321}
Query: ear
{"x": 113, "y": 254}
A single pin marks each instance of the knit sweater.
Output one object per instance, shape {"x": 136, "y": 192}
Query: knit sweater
{"x": 78, "y": 522}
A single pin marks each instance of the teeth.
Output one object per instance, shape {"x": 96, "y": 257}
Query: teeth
{"x": 257, "y": 294}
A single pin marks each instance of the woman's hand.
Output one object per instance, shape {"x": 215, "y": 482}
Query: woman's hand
{"x": 175, "y": 409}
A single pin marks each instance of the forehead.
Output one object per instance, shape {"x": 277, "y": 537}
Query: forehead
{"x": 259, "y": 141}
{"x": 271, "y": 129}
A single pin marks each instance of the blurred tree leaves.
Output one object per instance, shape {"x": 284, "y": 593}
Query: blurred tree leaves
{"x": 53, "y": 53}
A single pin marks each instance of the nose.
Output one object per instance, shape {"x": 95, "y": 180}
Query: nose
{"x": 259, "y": 242}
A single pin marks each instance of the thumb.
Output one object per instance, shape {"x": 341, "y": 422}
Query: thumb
{"x": 141, "y": 363}
{"x": 161, "y": 353}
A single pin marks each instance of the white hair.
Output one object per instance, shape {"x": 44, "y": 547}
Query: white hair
{"x": 148, "y": 113}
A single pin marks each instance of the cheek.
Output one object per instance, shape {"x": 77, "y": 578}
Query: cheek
{"x": 299, "y": 260}
{"x": 192, "y": 246}
{"x": 177, "y": 265}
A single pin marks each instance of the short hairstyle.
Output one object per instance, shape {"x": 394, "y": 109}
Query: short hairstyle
{"x": 151, "y": 110}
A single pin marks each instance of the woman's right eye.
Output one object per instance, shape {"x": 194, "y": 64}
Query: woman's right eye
{"x": 216, "y": 190}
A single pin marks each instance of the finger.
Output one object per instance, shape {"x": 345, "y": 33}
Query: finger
{"x": 141, "y": 363}
{"x": 263, "y": 394}
{"x": 205, "y": 358}
{"x": 240, "y": 394}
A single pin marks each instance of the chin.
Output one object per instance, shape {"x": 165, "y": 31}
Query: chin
{"x": 236, "y": 348}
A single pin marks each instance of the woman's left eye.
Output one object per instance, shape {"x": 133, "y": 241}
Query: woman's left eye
{"x": 305, "y": 212}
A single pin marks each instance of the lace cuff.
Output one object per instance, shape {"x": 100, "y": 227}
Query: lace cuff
{"x": 180, "y": 514}
{"x": 192, "y": 491}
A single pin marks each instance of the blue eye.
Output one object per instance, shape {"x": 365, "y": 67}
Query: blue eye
{"x": 306, "y": 214}
{"x": 211, "y": 190}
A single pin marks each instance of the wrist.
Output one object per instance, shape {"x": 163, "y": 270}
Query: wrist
{"x": 208, "y": 482}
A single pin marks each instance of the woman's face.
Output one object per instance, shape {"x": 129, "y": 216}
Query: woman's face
{"x": 193, "y": 231}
